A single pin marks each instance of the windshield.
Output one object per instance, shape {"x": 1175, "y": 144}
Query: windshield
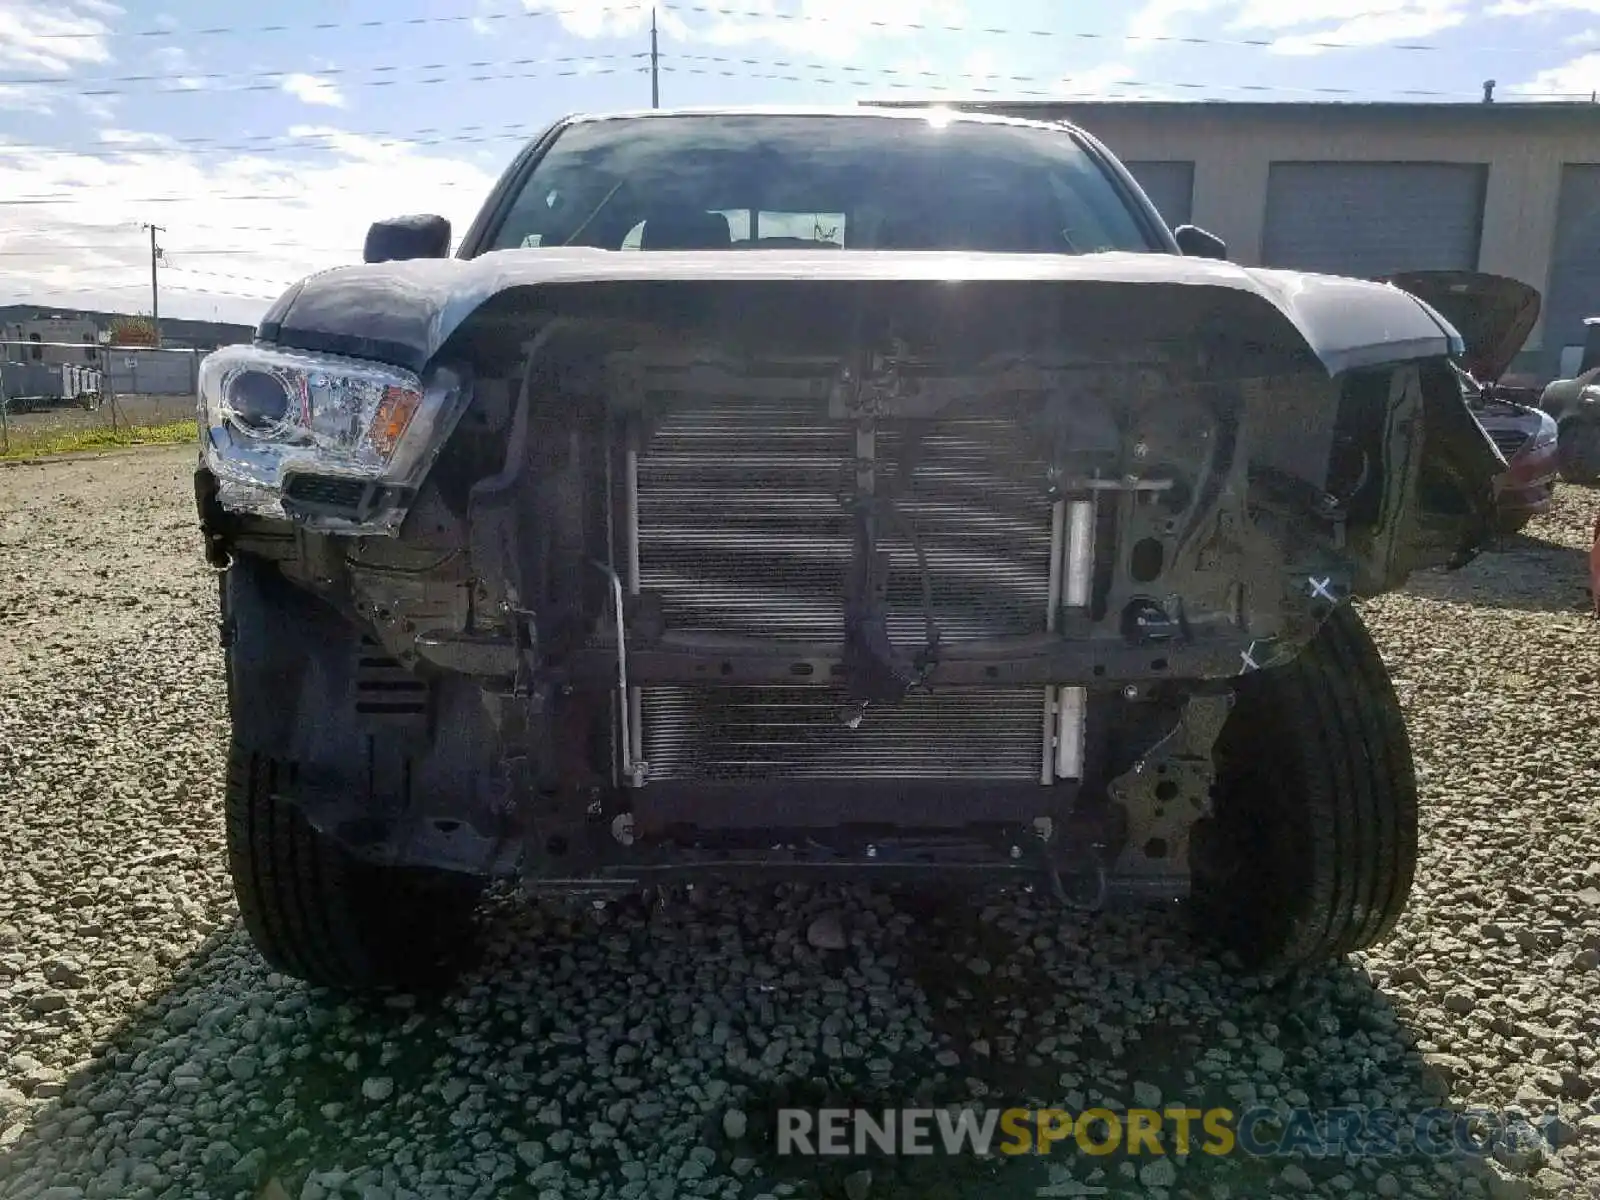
{"x": 770, "y": 182}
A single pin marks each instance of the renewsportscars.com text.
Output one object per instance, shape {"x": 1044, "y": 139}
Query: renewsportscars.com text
{"x": 1176, "y": 1130}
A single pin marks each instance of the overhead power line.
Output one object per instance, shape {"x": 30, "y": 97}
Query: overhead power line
{"x": 342, "y": 74}
{"x": 97, "y": 286}
{"x": 997, "y": 84}
{"x": 319, "y": 73}
{"x": 319, "y": 144}
{"x": 724, "y": 66}
{"x": 85, "y": 197}
{"x": 133, "y": 225}
{"x": 976, "y": 83}
{"x": 259, "y": 143}
{"x": 186, "y": 89}
{"x": 276, "y": 283}
{"x": 257, "y": 250}
{"x": 332, "y": 141}
{"x": 1012, "y": 31}
{"x": 325, "y": 26}
{"x": 750, "y": 14}
{"x": 240, "y": 139}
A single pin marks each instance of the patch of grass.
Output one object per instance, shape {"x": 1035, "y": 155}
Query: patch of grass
{"x": 70, "y": 441}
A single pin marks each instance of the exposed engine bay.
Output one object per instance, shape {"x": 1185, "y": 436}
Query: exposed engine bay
{"x": 835, "y": 575}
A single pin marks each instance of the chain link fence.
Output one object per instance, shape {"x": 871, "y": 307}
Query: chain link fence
{"x": 57, "y": 396}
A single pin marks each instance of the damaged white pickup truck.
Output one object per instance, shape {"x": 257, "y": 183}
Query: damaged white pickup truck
{"x": 824, "y": 494}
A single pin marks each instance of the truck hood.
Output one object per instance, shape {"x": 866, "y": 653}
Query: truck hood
{"x": 1493, "y": 314}
{"x": 406, "y": 312}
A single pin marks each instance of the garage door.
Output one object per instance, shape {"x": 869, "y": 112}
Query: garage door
{"x": 1371, "y": 219}
{"x": 1574, "y": 291}
{"x": 1170, "y": 186}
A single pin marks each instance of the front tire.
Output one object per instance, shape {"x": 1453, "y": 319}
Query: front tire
{"x": 1578, "y": 452}
{"x": 315, "y": 909}
{"x": 318, "y": 913}
{"x": 1311, "y": 847}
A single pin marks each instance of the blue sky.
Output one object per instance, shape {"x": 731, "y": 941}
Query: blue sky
{"x": 266, "y": 153}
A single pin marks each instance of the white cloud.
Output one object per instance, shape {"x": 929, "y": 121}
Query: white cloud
{"x": 311, "y": 89}
{"x": 596, "y": 18}
{"x": 135, "y": 138}
{"x": 357, "y": 146}
{"x": 1110, "y": 80}
{"x": 1372, "y": 23}
{"x": 1577, "y": 79}
{"x": 1299, "y": 27}
{"x": 980, "y": 64}
{"x": 983, "y": 72}
{"x": 831, "y": 29}
{"x": 302, "y": 213}
{"x": 1167, "y": 18}
{"x": 1541, "y": 8}
{"x": 97, "y": 108}
{"x": 54, "y": 35}
{"x": 171, "y": 59}
{"x": 21, "y": 98}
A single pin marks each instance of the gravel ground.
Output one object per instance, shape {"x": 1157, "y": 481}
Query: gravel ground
{"x": 640, "y": 1051}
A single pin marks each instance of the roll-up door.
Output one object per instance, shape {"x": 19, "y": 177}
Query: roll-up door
{"x": 1373, "y": 218}
{"x": 1574, "y": 291}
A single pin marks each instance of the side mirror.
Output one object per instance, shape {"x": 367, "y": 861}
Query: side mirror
{"x": 1197, "y": 243}
{"x": 407, "y": 237}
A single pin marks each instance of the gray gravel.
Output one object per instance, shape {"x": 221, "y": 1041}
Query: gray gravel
{"x": 639, "y": 1051}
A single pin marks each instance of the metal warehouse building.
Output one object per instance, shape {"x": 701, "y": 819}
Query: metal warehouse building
{"x": 1368, "y": 189}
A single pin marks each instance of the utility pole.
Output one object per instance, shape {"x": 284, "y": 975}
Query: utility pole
{"x": 155, "y": 287}
{"x": 655, "y": 63}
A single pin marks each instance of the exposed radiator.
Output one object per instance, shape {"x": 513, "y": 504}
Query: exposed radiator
{"x": 743, "y": 528}
{"x": 747, "y": 735}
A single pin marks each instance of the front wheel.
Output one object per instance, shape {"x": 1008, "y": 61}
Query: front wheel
{"x": 1311, "y": 846}
{"x": 318, "y": 913}
{"x": 314, "y": 909}
{"x": 1578, "y": 452}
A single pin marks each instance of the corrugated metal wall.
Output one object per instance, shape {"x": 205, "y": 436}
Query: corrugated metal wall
{"x": 152, "y": 372}
{"x": 1574, "y": 291}
{"x": 1369, "y": 219}
{"x": 1170, "y": 186}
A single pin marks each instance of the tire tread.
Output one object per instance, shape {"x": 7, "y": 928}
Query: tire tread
{"x": 1341, "y": 762}
{"x": 319, "y": 914}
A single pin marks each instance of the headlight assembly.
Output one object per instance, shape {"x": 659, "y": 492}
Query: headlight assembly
{"x": 1546, "y": 436}
{"x": 338, "y": 443}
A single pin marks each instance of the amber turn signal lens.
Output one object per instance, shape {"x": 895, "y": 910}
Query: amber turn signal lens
{"x": 392, "y": 419}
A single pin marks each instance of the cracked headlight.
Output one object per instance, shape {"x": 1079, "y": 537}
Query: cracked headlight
{"x": 339, "y": 444}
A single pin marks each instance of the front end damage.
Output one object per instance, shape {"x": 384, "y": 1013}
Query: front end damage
{"x": 823, "y": 577}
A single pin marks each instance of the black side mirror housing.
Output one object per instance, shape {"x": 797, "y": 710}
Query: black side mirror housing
{"x": 399, "y": 238}
{"x": 1197, "y": 243}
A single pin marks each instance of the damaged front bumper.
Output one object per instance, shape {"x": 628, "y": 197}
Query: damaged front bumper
{"x": 814, "y": 579}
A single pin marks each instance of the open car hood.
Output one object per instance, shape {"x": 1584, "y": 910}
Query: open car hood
{"x": 1493, "y": 314}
